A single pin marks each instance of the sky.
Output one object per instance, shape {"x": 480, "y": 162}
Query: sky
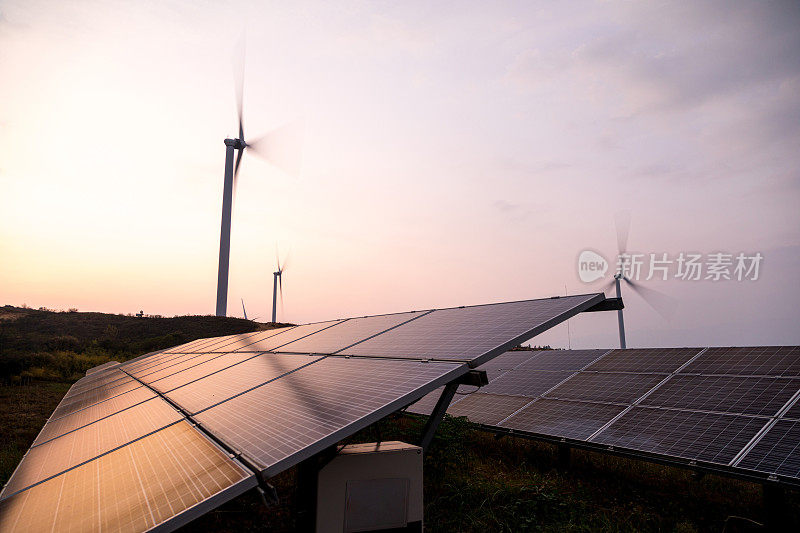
{"x": 453, "y": 153}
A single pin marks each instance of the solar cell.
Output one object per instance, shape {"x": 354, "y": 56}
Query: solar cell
{"x": 236, "y": 379}
{"x": 611, "y": 387}
{"x": 559, "y": 418}
{"x": 54, "y": 428}
{"x": 93, "y": 396}
{"x": 487, "y": 409}
{"x": 731, "y": 394}
{"x": 710, "y": 437}
{"x": 69, "y": 450}
{"x": 347, "y": 333}
{"x": 646, "y": 360}
{"x": 473, "y": 334}
{"x": 778, "y": 451}
{"x": 241, "y": 341}
{"x": 289, "y": 419}
{"x": 751, "y": 361}
{"x": 162, "y": 479}
{"x": 525, "y": 383}
{"x": 561, "y": 360}
{"x": 794, "y": 411}
{"x": 267, "y": 343}
{"x": 104, "y": 366}
{"x": 201, "y": 370}
{"x": 165, "y": 367}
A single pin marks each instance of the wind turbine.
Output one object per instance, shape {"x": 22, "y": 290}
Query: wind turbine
{"x": 661, "y": 303}
{"x": 279, "y": 147}
{"x": 277, "y": 285}
{"x": 244, "y": 310}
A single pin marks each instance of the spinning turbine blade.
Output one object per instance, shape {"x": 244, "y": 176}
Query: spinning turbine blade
{"x": 623, "y": 223}
{"x": 664, "y": 305}
{"x": 281, "y": 147}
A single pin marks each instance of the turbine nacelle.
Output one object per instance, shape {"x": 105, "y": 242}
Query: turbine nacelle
{"x": 237, "y": 144}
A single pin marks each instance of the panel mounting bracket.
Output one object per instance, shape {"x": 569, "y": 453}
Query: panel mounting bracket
{"x": 438, "y": 414}
{"x": 609, "y": 304}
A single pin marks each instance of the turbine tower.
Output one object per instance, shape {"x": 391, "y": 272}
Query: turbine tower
{"x": 277, "y": 285}
{"x": 280, "y": 147}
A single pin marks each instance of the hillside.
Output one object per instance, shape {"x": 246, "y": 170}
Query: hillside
{"x": 61, "y": 346}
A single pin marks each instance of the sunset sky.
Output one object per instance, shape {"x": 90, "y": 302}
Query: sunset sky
{"x": 454, "y": 153}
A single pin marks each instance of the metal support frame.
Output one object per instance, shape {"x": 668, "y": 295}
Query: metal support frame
{"x": 437, "y": 415}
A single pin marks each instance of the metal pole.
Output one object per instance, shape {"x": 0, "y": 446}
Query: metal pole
{"x": 225, "y": 231}
{"x": 619, "y": 316}
{"x": 274, "y": 294}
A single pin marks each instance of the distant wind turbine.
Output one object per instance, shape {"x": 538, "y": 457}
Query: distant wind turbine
{"x": 277, "y": 285}
{"x": 660, "y": 302}
{"x": 280, "y": 147}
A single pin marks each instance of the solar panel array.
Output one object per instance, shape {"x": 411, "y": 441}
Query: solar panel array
{"x": 734, "y": 409}
{"x": 155, "y": 441}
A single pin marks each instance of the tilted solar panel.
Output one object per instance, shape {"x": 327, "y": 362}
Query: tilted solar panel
{"x": 748, "y": 361}
{"x": 94, "y": 396}
{"x": 488, "y": 409}
{"x": 560, "y": 360}
{"x": 59, "y": 426}
{"x": 617, "y": 387}
{"x": 235, "y": 379}
{"x": 645, "y": 360}
{"x": 711, "y": 437}
{"x": 525, "y": 383}
{"x": 210, "y": 364}
{"x": 273, "y": 342}
{"x": 730, "y": 394}
{"x": 349, "y": 332}
{"x": 778, "y": 451}
{"x": 289, "y": 419}
{"x": 473, "y": 334}
{"x": 164, "y": 479}
{"x": 560, "y": 418}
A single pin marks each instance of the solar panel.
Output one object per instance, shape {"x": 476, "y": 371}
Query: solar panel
{"x": 100, "y": 394}
{"x": 474, "y": 334}
{"x": 506, "y": 361}
{"x": 711, "y": 437}
{"x": 240, "y": 341}
{"x": 267, "y": 343}
{"x": 104, "y": 366}
{"x": 487, "y": 409}
{"x": 731, "y": 394}
{"x": 198, "y": 371}
{"x": 559, "y": 418}
{"x": 69, "y": 450}
{"x": 525, "y": 383}
{"x": 778, "y": 451}
{"x": 793, "y": 412}
{"x": 425, "y": 405}
{"x": 659, "y": 360}
{"x": 165, "y": 367}
{"x": 236, "y": 379}
{"x": 165, "y": 479}
{"x": 611, "y": 387}
{"x": 753, "y": 361}
{"x": 92, "y": 382}
{"x": 347, "y": 333}
{"x": 59, "y": 426}
{"x": 289, "y": 419}
{"x": 561, "y": 360}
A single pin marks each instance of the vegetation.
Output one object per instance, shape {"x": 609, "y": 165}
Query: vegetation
{"x": 60, "y": 346}
{"x": 473, "y": 481}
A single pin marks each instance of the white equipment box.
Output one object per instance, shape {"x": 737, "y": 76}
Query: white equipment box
{"x": 371, "y": 487}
